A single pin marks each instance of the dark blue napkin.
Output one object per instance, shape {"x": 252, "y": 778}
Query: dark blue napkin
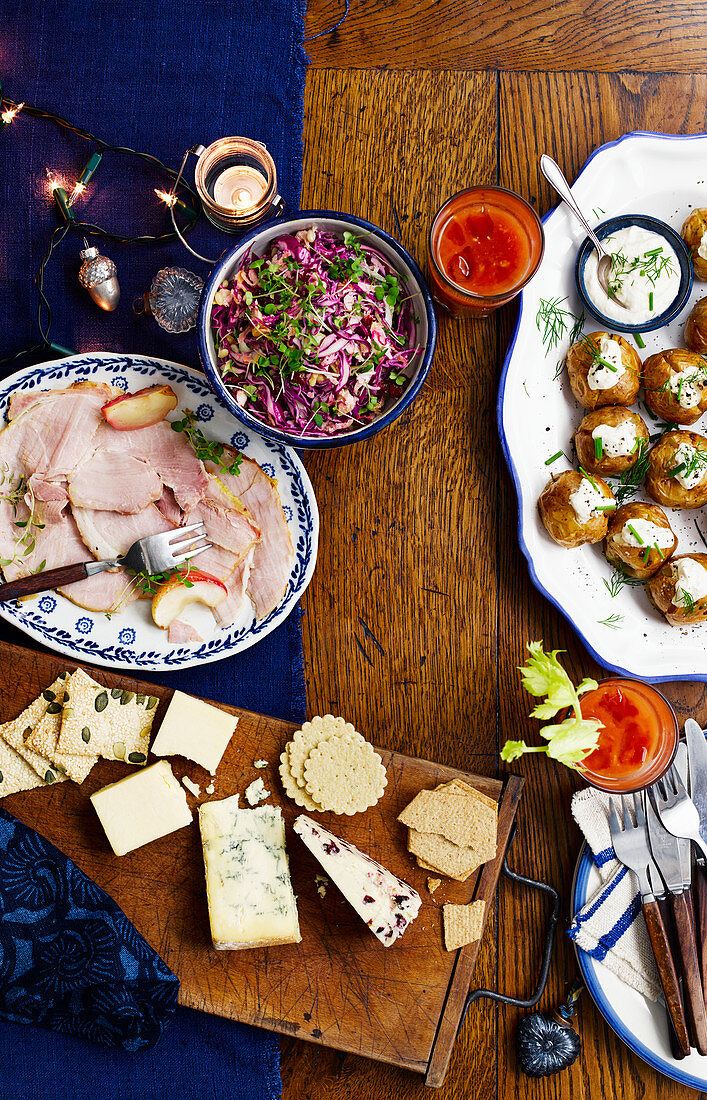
{"x": 160, "y": 77}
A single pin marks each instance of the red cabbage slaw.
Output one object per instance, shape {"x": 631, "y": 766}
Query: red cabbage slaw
{"x": 316, "y": 334}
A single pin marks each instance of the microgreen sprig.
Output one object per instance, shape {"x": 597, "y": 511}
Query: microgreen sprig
{"x": 208, "y": 450}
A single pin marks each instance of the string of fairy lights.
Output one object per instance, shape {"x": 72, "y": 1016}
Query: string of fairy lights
{"x": 65, "y": 196}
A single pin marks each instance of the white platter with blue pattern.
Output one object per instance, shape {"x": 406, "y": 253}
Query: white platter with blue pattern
{"x": 130, "y": 639}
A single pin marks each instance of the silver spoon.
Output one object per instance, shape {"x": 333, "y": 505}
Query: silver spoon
{"x": 554, "y": 176}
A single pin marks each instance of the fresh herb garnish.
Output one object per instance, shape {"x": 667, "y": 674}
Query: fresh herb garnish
{"x": 635, "y": 534}
{"x": 208, "y": 450}
{"x": 688, "y": 603}
{"x": 549, "y": 461}
{"x": 613, "y": 621}
{"x": 639, "y": 339}
{"x": 553, "y": 320}
{"x": 619, "y": 578}
{"x": 571, "y": 740}
{"x": 598, "y": 448}
{"x": 149, "y": 583}
{"x": 630, "y": 480}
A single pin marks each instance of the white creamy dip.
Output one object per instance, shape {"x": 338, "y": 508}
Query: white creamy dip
{"x": 686, "y": 388}
{"x": 616, "y": 442}
{"x": 631, "y": 288}
{"x": 649, "y": 534}
{"x": 702, "y": 247}
{"x": 689, "y": 478}
{"x": 690, "y": 580}
{"x": 587, "y": 502}
{"x": 603, "y": 377}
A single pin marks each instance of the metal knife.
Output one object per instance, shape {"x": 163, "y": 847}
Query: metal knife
{"x": 666, "y": 854}
{"x": 684, "y": 846}
{"x": 697, "y": 757}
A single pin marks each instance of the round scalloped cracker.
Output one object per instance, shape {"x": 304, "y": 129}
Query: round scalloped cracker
{"x": 312, "y": 733}
{"x": 299, "y": 795}
{"x": 345, "y": 775}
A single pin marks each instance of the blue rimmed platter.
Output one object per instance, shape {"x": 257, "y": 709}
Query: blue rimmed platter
{"x": 130, "y": 639}
{"x": 659, "y": 175}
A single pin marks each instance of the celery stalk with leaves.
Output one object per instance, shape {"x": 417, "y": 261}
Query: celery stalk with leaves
{"x": 569, "y": 741}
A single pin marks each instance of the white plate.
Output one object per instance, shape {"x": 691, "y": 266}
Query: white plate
{"x": 641, "y": 1024}
{"x": 537, "y": 414}
{"x": 130, "y": 638}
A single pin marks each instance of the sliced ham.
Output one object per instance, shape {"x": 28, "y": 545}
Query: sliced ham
{"x": 228, "y": 524}
{"x": 110, "y": 534}
{"x": 179, "y": 633}
{"x": 169, "y": 508}
{"x": 113, "y": 481}
{"x": 111, "y": 590}
{"x": 274, "y": 555}
{"x": 51, "y": 499}
{"x": 230, "y": 610}
{"x": 171, "y": 455}
{"x": 54, "y": 432}
{"x": 22, "y": 400}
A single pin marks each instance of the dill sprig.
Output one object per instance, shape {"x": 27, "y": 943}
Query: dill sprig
{"x": 688, "y": 603}
{"x": 614, "y": 622}
{"x": 552, "y": 321}
{"x": 630, "y": 480}
{"x": 619, "y": 579}
{"x": 652, "y": 265}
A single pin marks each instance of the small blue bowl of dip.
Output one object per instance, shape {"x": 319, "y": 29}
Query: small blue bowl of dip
{"x": 652, "y": 225}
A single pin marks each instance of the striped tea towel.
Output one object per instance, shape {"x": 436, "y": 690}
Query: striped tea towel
{"x": 611, "y": 927}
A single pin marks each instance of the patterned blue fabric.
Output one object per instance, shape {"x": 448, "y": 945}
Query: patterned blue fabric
{"x": 70, "y": 959}
{"x": 161, "y": 77}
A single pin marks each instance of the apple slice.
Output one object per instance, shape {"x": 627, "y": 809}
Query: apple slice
{"x": 141, "y": 409}
{"x": 173, "y": 596}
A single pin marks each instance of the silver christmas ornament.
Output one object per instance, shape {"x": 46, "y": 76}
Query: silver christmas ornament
{"x": 174, "y": 298}
{"x": 98, "y": 275}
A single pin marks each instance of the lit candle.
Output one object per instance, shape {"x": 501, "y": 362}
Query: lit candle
{"x": 240, "y": 188}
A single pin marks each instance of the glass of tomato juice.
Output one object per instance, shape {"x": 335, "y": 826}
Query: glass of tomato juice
{"x": 639, "y": 739}
{"x": 486, "y": 243}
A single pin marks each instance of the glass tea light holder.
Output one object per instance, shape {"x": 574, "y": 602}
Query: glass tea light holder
{"x": 236, "y": 180}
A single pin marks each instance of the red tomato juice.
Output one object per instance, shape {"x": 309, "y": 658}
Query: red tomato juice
{"x": 639, "y": 738}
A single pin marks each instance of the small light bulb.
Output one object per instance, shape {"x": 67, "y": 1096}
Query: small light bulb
{"x": 166, "y": 197}
{"x": 79, "y": 189}
{"x": 10, "y": 113}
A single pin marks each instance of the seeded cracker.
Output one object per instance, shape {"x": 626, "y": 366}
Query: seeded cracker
{"x": 345, "y": 775}
{"x": 113, "y": 723}
{"x": 312, "y": 734}
{"x": 463, "y": 924}
{"x": 298, "y": 794}
{"x": 44, "y": 738}
{"x": 15, "y": 773}
{"x": 14, "y": 733}
{"x": 443, "y": 856}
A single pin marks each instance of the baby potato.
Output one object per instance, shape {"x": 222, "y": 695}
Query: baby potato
{"x": 621, "y": 442}
{"x": 563, "y": 522}
{"x": 675, "y": 382}
{"x": 693, "y": 230}
{"x": 666, "y": 592}
{"x": 595, "y": 384}
{"x": 696, "y": 326}
{"x": 684, "y": 453}
{"x": 632, "y": 528}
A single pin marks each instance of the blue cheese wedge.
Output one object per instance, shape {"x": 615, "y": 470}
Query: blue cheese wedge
{"x": 251, "y": 902}
{"x": 141, "y": 808}
{"x": 383, "y": 901}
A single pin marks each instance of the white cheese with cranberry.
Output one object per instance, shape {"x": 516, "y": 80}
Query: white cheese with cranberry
{"x": 641, "y": 532}
{"x": 603, "y": 377}
{"x": 384, "y": 902}
{"x": 690, "y": 465}
{"x": 616, "y": 442}
{"x": 588, "y": 502}
{"x": 251, "y": 902}
{"x": 690, "y": 582}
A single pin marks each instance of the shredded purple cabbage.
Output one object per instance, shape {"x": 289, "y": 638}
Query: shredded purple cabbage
{"x": 315, "y": 336}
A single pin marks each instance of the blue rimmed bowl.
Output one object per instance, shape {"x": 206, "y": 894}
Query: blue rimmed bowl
{"x": 654, "y": 225}
{"x": 256, "y": 243}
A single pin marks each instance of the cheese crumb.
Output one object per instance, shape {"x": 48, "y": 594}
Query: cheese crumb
{"x": 191, "y": 786}
{"x": 210, "y": 788}
{"x": 321, "y": 882}
{"x": 260, "y": 764}
{"x": 256, "y": 792}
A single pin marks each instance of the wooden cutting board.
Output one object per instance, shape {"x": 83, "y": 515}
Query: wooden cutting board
{"x": 339, "y": 987}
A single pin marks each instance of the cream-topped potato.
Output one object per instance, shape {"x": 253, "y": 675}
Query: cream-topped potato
{"x": 640, "y": 539}
{"x": 679, "y": 590}
{"x": 604, "y": 369}
{"x": 610, "y": 440}
{"x": 677, "y": 470}
{"x": 675, "y": 382}
{"x": 644, "y": 279}
{"x": 575, "y": 507}
{"x": 694, "y": 234}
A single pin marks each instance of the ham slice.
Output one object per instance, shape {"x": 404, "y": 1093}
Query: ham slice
{"x": 51, "y": 499}
{"x": 274, "y": 556}
{"x": 231, "y": 608}
{"x": 169, "y": 508}
{"x": 228, "y": 524}
{"x": 179, "y": 633}
{"x": 171, "y": 455}
{"x": 110, "y": 534}
{"x": 113, "y": 481}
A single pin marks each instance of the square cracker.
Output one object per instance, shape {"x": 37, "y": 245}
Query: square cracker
{"x": 15, "y": 732}
{"x": 43, "y": 739}
{"x": 15, "y": 773}
{"x": 441, "y": 855}
{"x": 111, "y": 722}
{"x": 458, "y": 814}
{"x": 463, "y": 924}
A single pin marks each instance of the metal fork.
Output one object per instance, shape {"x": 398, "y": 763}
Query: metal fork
{"x": 631, "y": 848}
{"x": 153, "y": 554}
{"x": 676, "y": 809}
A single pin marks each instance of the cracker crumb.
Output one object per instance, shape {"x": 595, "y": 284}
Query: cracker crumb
{"x": 463, "y": 924}
{"x": 321, "y": 882}
{"x": 260, "y": 764}
{"x": 210, "y": 789}
{"x": 256, "y": 792}
{"x": 191, "y": 786}
{"x": 433, "y": 883}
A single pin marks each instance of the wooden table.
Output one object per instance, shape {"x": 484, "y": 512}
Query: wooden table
{"x": 409, "y": 101}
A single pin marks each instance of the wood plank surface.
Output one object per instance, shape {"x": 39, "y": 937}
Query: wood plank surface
{"x": 338, "y": 987}
{"x": 658, "y": 36}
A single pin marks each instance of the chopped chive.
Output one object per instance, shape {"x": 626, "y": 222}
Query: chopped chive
{"x": 549, "y": 461}
{"x": 635, "y": 533}
{"x": 605, "y": 508}
{"x": 659, "y": 550}
{"x": 639, "y": 339}
{"x": 650, "y": 301}
{"x": 589, "y": 478}
{"x": 654, "y": 251}
{"x": 598, "y": 449}
{"x": 676, "y": 470}
{"x": 679, "y": 395}
{"x": 645, "y": 555}
{"x": 605, "y": 363}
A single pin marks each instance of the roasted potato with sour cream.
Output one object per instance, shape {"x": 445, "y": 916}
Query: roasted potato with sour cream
{"x": 692, "y": 232}
{"x": 676, "y": 590}
{"x": 575, "y": 520}
{"x": 640, "y": 539}
{"x": 677, "y": 470}
{"x": 675, "y": 382}
{"x": 696, "y": 327}
{"x": 604, "y": 369}
{"x": 624, "y": 432}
